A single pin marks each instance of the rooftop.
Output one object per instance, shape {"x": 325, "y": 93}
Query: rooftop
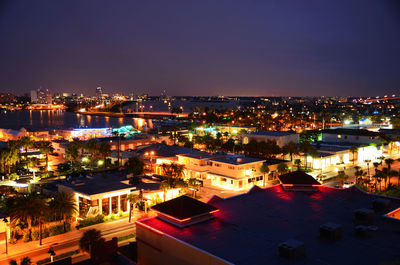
{"x": 357, "y": 132}
{"x": 298, "y": 178}
{"x": 233, "y": 160}
{"x": 248, "y": 228}
{"x": 183, "y": 207}
{"x": 272, "y": 133}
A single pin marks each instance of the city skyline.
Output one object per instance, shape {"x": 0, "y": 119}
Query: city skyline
{"x": 198, "y": 49}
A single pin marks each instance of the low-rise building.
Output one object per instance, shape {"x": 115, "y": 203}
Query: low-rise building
{"x": 281, "y": 138}
{"x": 106, "y": 193}
{"x": 231, "y": 172}
{"x": 352, "y": 136}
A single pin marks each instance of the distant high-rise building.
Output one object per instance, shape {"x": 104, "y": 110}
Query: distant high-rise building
{"x": 99, "y": 92}
{"x": 41, "y": 96}
{"x": 34, "y": 97}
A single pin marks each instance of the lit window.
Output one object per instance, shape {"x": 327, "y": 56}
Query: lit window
{"x": 339, "y": 136}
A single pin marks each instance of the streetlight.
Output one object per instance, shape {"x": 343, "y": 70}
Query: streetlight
{"x": 5, "y": 220}
{"x": 151, "y": 158}
{"x": 52, "y": 254}
{"x": 368, "y": 161}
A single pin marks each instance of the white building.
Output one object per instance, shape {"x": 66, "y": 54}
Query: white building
{"x": 281, "y": 138}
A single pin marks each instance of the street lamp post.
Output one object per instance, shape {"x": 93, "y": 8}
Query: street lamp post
{"x": 5, "y": 220}
{"x": 52, "y": 254}
{"x": 151, "y": 154}
{"x": 368, "y": 161}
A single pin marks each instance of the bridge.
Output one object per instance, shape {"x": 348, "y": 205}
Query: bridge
{"x": 379, "y": 99}
{"x": 148, "y": 114}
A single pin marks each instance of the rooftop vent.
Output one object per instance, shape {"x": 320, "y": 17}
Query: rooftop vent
{"x": 364, "y": 216}
{"x": 380, "y": 204}
{"x": 330, "y": 231}
{"x": 291, "y": 249}
{"x": 361, "y": 231}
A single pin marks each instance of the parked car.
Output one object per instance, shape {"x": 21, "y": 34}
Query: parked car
{"x": 348, "y": 184}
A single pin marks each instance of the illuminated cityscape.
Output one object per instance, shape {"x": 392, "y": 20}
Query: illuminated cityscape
{"x": 204, "y": 133}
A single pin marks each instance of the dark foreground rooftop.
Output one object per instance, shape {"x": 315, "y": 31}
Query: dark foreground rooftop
{"x": 249, "y": 227}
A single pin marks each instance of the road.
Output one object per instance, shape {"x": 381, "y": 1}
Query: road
{"x": 65, "y": 242}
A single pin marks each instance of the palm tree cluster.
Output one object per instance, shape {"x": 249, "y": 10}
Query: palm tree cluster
{"x": 28, "y": 210}
{"x": 268, "y": 149}
{"x": 174, "y": 173}
{"x": 96, "y": 151}
{"x": 383, "y": 175}
{"x": 11, "y": 156}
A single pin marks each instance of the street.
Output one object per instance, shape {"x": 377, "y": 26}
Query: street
{"x": 65, "y": 242}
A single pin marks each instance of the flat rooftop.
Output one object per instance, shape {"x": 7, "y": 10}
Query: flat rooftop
{"x": 236, "y": 160}
{"x": 249, "y": 227}
{"x": 272, "y": 133}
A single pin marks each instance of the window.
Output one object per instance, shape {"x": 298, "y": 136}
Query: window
{"x": 223, "y": 179}
{"x": 231, "y": 181}
{"x": 217, "y": 165}
{"x": 339, "y": 136}
{"x": 231, "y": 167}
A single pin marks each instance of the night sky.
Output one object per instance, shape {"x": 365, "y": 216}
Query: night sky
{"x": 216, "y": 47}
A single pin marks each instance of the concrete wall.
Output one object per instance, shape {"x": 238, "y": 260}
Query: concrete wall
{"x": 161, "y": 249}
{"x": 338, "y": 138}
{"x": 280, "y": 140}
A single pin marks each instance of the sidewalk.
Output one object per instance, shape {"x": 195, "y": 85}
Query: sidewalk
{"x": 66, "y": 242}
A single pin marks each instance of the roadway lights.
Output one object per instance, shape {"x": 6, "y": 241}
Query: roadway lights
{"x": 5, "y": 220}
{"x": 52, "y": 254}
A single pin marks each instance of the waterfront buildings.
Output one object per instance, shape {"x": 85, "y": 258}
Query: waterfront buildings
{"x": 41, "y": 96}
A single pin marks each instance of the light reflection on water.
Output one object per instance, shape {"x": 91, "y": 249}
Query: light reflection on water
{"x": 60, "y": 119}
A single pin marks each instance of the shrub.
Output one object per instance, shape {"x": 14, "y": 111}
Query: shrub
{"x": 55, "y": 230}
{"x": 91, "y": 221}
{"x": 35, "y": 235}
{"x": 26, "y": 237}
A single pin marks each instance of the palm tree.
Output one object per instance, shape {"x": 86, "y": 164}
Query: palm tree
{"x": 342, "y": 177}
{"x": 26, "y": 261}
{"x": 290, "y": 148}
{"x": 46, "y": 148}
{"x": 135, "y": 166}
{"x": 116, "y": 133}
{"x": 27, "y": 208}
{"x": 353, "y": 150}
{"x": 132, "y": 199}
{"x": 93, "y": 148}
{"x": 307, "y": 149}
{"x": 389, "y": 162}
{"x": 105, "y": 149}
{"x": 297, "y": 162}
{"x": 73, "y": 151}
{"x": 64, "y": 206}
{"x": 264, "y": 169}
{"x": 282, "y": 168}
{"x": 90, "y": 238}
{"x": 26, "y": 142}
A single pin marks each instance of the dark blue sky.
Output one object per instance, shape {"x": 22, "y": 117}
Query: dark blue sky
{"x": 215, "y": 47}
